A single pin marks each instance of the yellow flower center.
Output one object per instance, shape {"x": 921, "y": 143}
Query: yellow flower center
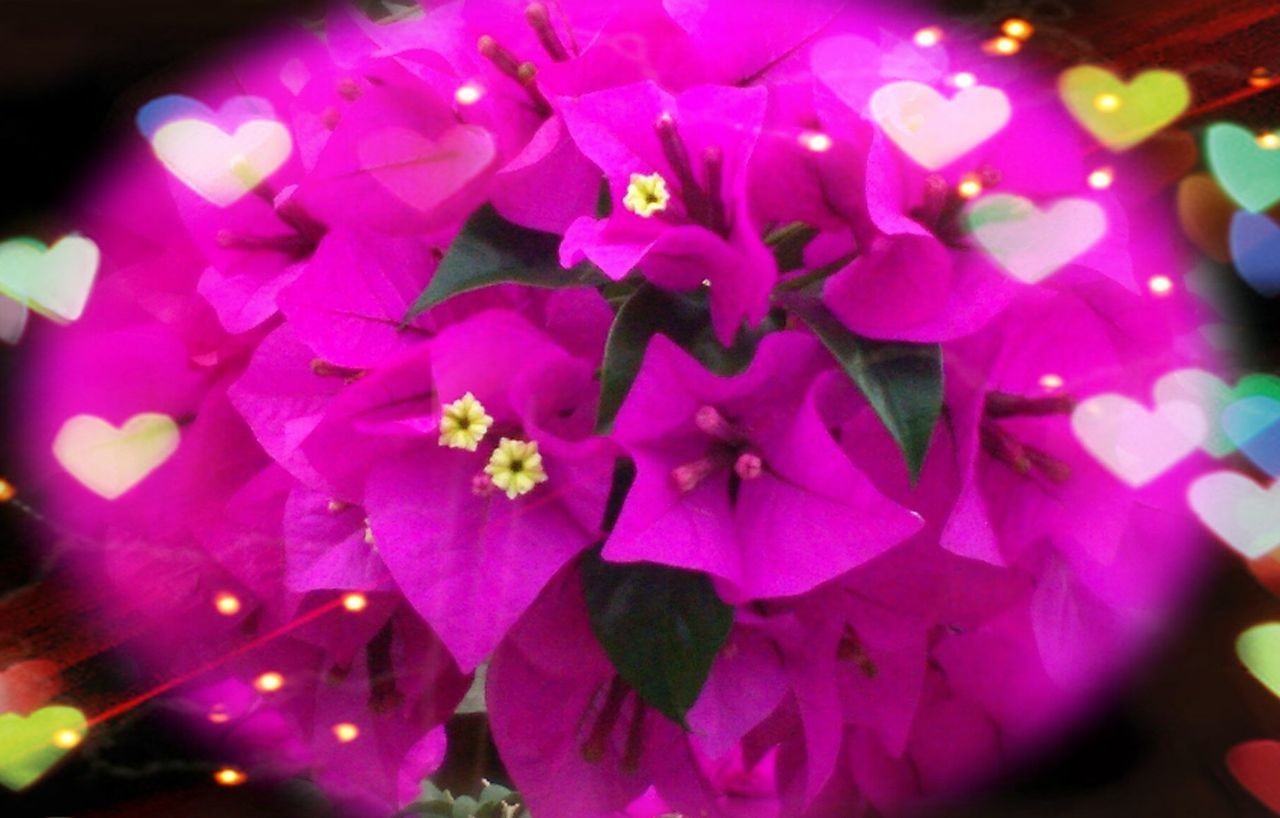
{"x": 463, "y": 423}
{"x": 646, "y": 195}
{"x": 516, "y": 466}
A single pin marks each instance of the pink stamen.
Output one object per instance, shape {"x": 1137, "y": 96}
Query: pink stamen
{"x": 688, "y": 476}
{"x": 1004, "y": 404}
{"x": 709, "y": 420}
{"x": 482, "y": 485}
{"x": 748, "y": 466}
{"x": 540, "y": 21}
{"x": 294, "y": 245}
{"x": 501, "y": 58}
{"x": 677, "y": 156}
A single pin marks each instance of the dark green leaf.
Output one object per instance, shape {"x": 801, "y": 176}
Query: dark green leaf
{"x": 491, "y": 250}
{"x": 624, "y": 474}
{"x": 685, "y": 319}
{"x": 902, "y": 382}
{"x": 661, "y": 628}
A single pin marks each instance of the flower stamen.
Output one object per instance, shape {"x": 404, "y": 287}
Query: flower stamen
{"x": 687, "y": 476}
{"x": 710, "y": 421}
{"x": 516, "y": 467}
{"x": 463, "y": 423}
{"x": 646, "y": 195}
{"x": 748, "y": 466}
{"x": 677, "y": 155}
{"x": 539, "y": 20}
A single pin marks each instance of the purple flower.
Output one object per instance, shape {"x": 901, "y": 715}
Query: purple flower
{"x": 491, "y": 552}
{"x": 733, "y": 472}
{"x": 676, "y": 169}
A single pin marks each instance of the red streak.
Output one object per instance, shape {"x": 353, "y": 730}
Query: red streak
{"x": 126, "y": 706}
{"x": 1229, "y": 99}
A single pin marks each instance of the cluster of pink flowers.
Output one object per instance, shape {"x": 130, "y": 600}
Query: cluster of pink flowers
{"x": 624, "y": 286}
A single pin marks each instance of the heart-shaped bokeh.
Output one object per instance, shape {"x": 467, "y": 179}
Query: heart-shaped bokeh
{"x": 30, "y": 745}
{"x": 13, "y": 320}
{"x": 1253, "y": 424}
{"x": 1255, "y": 249}
{"x": 220, "y": 155}
{"x": 1259, "y": 650}
{"x": 1032, "y": 244}
{"x": 26, "y": 686}
{"x": 1256, "y": 765}
{"x": 1122, "y": 114}
{"x": 1247, "y": 171}
{"x": 1244, "y": 515}
{"x": 1207, "y": 391}
{"x": 1205, "y": 212}
{"x": 55, "y": 280}
{"x": 110, "y": 461}
{"x": 1134, "y": 443}
{"x": 933, "y": 130}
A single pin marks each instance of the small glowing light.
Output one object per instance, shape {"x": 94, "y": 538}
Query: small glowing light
{"x": 1269, "y": 141}
{"x": 66, "y": 739}
{"x": 227, "y": 604}
{"x": 229, "y": 777}
{"x": 964, "y": 80}
{"x": 7, "y": 491}
{"x": 1002, "y": 46}
{"x": 269, "y": 682}
{"x": 928, "y": 37}
{"x": 1017, "y": 28}
{"x": 346, "y": 732}
{"x": 218, "y": 714}
{"x": 1106, "y": 102}
{"x": 468, "y": 94}
{"x": 1261, "y": 78}
{"x": 1051, "y": 381}
{"x": 355, "y": 602}
{"x": 1160, "y": 285}
{"x": 969, "y": 187}
{"x": 1006, "y": 45}
{"x": 1101, "y": 178}
{"x": 816, "y": 141}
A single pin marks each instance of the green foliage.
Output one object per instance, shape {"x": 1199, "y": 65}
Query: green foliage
{"x": 491, "y": 250}
{"x": 661, "y": 628}
{"x": 901, "y": 381}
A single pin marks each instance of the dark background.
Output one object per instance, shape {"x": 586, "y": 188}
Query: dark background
{"x": 72, "y": 73}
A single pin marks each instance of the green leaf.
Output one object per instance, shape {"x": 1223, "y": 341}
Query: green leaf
{"x": 901, "y": 381}
{"x": 491, "y": 250}
{"x": 685, "y": 319}
{"x": 661, "y": 628}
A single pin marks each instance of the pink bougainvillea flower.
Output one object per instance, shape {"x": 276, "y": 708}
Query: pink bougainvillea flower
{"x": 367, "y": 725}
{"x": 679, "y": 194}
{"x": 726, "y": 476}
{"x": 470, "y": 528}
{"x": 349, "y": 303}
{"x": 400, "y": 151}
{"x": 1012, "y": 407}
{"x": 560, "y": 713}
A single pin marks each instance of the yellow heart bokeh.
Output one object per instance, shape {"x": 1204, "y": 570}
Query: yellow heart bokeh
{"x": 1122, "y": 114}
{"x": 30, "y": 746}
